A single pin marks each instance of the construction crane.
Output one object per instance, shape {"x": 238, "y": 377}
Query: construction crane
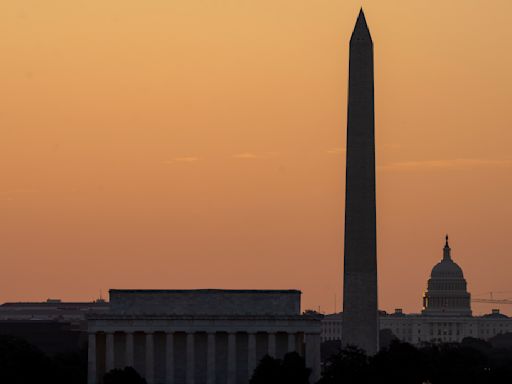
{"x": 492, "y": 300}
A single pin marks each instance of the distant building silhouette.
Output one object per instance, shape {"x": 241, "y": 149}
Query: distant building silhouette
{"x": 447, "y": 289}
{"x": 52, "y": 326}
{"x": 52, "y": 310}
{"x": 360, "y": 259}
{"x": 200, "y": 336}
{"x": 446, "y": 315}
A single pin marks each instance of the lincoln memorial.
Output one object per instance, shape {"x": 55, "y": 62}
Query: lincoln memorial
{"x": 204, "y": 336}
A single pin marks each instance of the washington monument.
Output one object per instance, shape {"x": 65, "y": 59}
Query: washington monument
{"x": 360, "y": 314}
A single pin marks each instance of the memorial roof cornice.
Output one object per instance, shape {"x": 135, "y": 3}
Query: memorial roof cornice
{"x": 208, "y": 290}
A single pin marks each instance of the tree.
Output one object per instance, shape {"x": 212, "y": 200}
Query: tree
{"x": 329, "y": 348}
{"x": 71, "y": 367}
{"x": 349, "y": 366}
{"x": 267, "y": 371}
{"x": 290, "y": 370}
{"x": 399, "y": 363}
{"x": 128, "y": 375}
{"x": 21, "y": 362}
{"x": 294, "y": 369}
{"x": 386, "y": 337}
{"x": 470, "y": 362}
{"x": 502, "y": 340}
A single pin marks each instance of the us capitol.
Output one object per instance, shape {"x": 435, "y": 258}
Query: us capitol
{"x": 446, "y": 314}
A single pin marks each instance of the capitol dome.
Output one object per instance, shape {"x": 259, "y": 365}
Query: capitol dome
{"x": 447, "y": 268}
{"x": 447, "y": 289}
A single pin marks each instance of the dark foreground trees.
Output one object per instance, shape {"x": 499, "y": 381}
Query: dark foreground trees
{"x": 127, "y": 375}
{"x": 473, "y": 361}
{"x": 23, "y": 363}
{"x": 470, "y": 362}
{"x": 290, "y": 370}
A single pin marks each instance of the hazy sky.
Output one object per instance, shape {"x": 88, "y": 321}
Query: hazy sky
{"x": 200, "y": 144}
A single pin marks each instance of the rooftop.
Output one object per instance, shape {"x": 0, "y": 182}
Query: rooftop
{"x": 215, "y": 291}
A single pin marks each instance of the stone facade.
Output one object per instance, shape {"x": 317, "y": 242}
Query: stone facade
{"x": 205, "y": 302}
{"x": 417, "y": 328}
{"x": 199, "y": 336}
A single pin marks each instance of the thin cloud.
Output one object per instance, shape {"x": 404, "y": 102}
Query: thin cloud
{"x": 392, "y": 146}
{"x": 245, "y": 155}
{"x": 19, "y": 191}
{"x": 339, "y": 150}
{"x": 335, "y": 151}
{"x": 251, "y": 155}
{"x": 448, "y": 164}
{"x": 12, "y": 194}
{"x": 184, "y": 159}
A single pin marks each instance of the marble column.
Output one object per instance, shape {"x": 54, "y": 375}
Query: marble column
{"x": 291, "y": 342}
{"x": 129, "y": 360}
{"x": 169, "y": 358}
{"x": 231, "y": 358}
{"x": 109, "y": 363}
{"x": 190, "y": 374}
{"x": 210, "y": 359}
{"x": 91, "y": 359}
{"x": 251, "y": 361}
{"x": 272, "y": 344}
{"x": 150, "y": 358}
{"x": 313, "y": 355}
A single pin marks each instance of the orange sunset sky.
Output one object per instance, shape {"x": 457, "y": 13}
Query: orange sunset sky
{"x": 200, "y": 144}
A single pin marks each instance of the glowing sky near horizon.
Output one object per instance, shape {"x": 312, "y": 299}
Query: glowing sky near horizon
{"x": 199, "y": 144}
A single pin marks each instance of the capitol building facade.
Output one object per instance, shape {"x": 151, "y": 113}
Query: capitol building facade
{"x": 446, "y": 314}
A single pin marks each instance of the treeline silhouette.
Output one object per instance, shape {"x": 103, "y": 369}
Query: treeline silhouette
{"x": 291, "y": 369}
{"x": 23, "y": 363}
{"x": 127, "y": 375}
{"x": 473, "y": 361}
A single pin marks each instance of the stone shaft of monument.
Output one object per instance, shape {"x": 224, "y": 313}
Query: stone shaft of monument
{"x": 360, "y": 314}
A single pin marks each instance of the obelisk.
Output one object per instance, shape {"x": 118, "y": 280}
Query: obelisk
{"x": 360, "y": 313}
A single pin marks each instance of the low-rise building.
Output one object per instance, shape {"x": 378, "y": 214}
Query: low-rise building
{"x": 52, "y": 326}
{"x": 51, "y": 310}
{"x": 418, "y": 328}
